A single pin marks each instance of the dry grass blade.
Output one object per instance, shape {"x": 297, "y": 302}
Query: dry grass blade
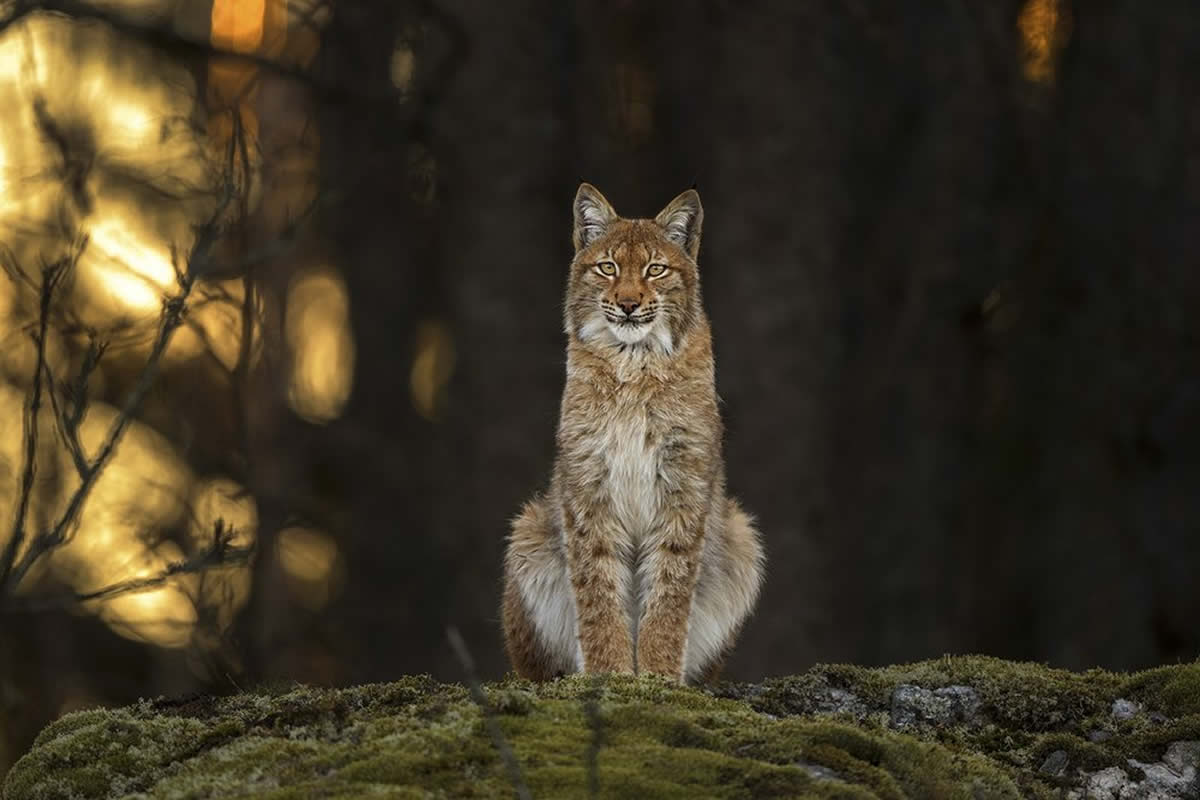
{"x": 515, "y": 775}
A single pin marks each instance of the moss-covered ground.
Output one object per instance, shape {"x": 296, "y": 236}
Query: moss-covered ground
{"x": 1023, "y": 730}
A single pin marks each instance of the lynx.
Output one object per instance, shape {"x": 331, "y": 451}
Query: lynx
{"x": 635, "y": 559}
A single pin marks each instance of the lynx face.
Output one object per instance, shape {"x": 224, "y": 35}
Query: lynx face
{"x": 634, "y": 281}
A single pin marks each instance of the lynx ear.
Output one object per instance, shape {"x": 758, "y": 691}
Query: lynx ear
{"x": 681, "y": 220}
{"x": 593, "y": 215}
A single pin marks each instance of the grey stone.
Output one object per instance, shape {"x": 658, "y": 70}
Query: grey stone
{"x": 1123, "y": 709}
{"x": 1055, "y": 764}
{"x": 838, "y": 701}
{"x": 1099, "y": 735}
{"x": 1107, "y": 784}
{"x": 912, "y": 705}
{"x": 1160, "y": 782}
{"x": 964, "y": 701}
{"x": 1176, "y": 777}
{"x": 1182, "y": 756}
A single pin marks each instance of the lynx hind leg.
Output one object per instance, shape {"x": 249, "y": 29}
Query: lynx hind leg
{"x": 538, "y": 608}
{"x": 731, "y": 575}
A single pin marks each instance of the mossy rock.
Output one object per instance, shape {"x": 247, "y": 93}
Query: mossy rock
{"x": 968, "y": 727}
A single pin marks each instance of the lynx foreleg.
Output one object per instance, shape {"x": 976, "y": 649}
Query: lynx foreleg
{"x": 600, "y": 579}
{"x": 671, "y": 564}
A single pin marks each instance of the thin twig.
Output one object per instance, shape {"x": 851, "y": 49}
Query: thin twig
{"x": 591, "y": 710}
{"x": 49, "y": 281}
{"x": 218, "y": 554}
{"x": 515, "y": 775}
{"x": 69, "y": 419}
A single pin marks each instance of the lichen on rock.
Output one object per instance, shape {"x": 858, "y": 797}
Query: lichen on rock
{"x": 968, "y": 727}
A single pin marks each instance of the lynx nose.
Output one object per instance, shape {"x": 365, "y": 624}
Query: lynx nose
{"x": 628, "y": 306}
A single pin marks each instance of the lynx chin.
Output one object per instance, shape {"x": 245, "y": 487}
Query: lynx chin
{"x": 635, "y": 559}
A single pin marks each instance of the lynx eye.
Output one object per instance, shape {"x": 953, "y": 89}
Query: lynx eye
{"x": 606, "y": 268}
{"x": 656, "y": 270}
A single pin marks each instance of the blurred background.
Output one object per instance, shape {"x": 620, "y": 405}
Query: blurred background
{"x": 280, "y": 329}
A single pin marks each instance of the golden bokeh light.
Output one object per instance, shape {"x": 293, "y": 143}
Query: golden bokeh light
{"x": 1045, "y": 27}
{"x": 321, "y": 345}
{"x": 432, "y": 368}
{"x": 164, "y": 615}
{"x": 122, "y": 110}
{"x": 107, "y": 137}
{"x": 135, "y": 273}
{"x": 403, "y": 65}
{"x": 4, "y": 180}
{"x": 130, "y": 121}
{"x": 310, "y": 560}
{"x": 141, "y": 493}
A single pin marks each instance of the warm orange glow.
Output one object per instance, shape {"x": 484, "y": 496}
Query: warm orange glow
{"x": 432, "y": 368}
{"x": 321, "y": 344}
{"x": 1045, "y": 28}
{"x": 238, "y": 24}
{"x": 310, "y": 559}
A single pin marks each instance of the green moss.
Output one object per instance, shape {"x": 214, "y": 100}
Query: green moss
{"x": 1174, "y": 691}
{"x": 826, "y": 733}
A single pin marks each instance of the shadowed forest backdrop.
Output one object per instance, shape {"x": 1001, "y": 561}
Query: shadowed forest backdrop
{"x": 949, "y": 258}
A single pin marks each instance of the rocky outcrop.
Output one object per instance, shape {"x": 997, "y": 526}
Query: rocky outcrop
{"x": 968, "y": 727}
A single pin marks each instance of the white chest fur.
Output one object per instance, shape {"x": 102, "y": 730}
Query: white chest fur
{"x": 629, "y": 451}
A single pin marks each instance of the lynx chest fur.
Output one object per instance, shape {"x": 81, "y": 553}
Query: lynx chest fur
{"x": 625, "y": 445}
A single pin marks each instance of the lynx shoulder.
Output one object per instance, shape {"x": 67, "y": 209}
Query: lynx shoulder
{"x": 635, "y": 559}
